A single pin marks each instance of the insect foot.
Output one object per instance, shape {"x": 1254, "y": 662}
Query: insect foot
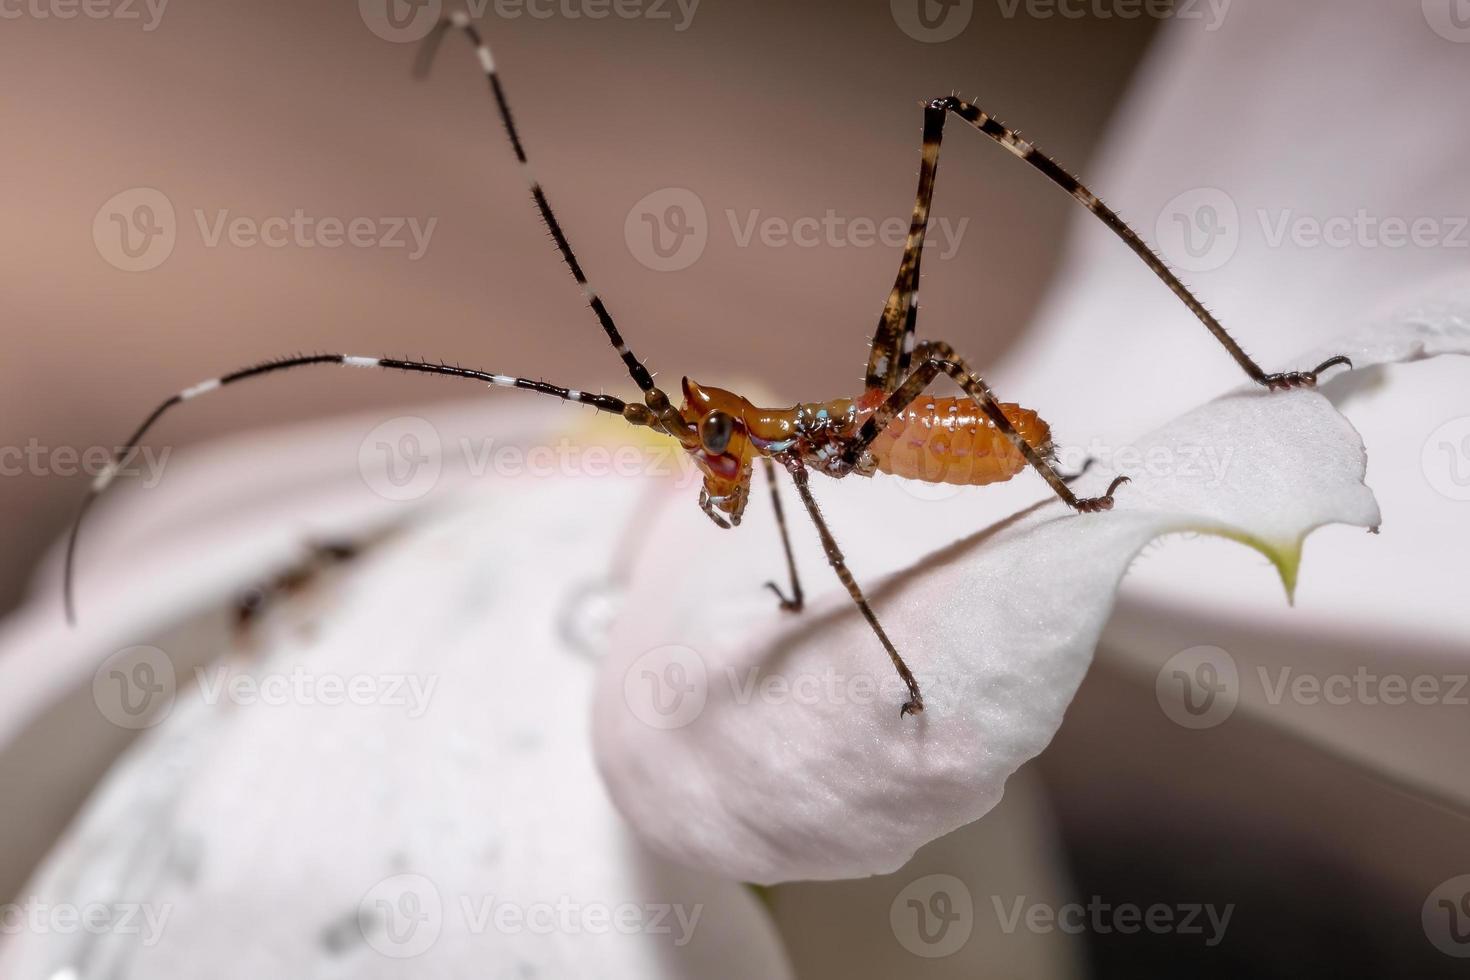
{"x": 1091, "y": 505}
{"x": 1302, "y": 379}
{"x": 792, "y": 605}
{"x": 912, "y": 706}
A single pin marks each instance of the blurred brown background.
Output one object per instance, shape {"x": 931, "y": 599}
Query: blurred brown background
{"x": 764, "y": 110}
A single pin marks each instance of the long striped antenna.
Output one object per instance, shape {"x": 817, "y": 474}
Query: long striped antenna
{"x": 635, "y": 414}
{"x": 668, "y": 416}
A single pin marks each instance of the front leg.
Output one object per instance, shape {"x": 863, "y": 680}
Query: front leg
{"x": 937, "y": 358}
{"x": 796, "y": 602}
{"x": 797, "y": 469}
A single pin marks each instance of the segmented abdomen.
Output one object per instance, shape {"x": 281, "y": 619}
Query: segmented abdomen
{"x": 950, "y": 440}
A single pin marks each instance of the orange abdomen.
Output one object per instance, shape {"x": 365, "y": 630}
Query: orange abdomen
{"x": 949, "y": 440}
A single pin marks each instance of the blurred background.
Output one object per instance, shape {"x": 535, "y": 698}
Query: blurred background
{"x": 730, "y": 175}
{"x": 773, "y": 114}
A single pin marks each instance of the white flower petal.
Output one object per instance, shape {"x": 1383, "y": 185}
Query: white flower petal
{"x": 439, "y": 814}
{"x": 955, "y": 912}
{"x": 771, "y": 749}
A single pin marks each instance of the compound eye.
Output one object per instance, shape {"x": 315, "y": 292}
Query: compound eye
{"x": 715, "y": 430}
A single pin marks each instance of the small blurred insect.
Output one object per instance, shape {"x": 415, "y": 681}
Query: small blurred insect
{"x": 971, "y": 440}
{"x": 255, "y": 602}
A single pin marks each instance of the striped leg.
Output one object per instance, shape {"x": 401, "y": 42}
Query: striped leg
{"x": 797, "y": 468}
{"x": 707, "y": 505}
{"x": 893, "y": 345}
{"x": 635, "y": 414}
{"x": 937, "y": 358}
{"x": 668, "y": 416}
{"x": 795, "y": 603}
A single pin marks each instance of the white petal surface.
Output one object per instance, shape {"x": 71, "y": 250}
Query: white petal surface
{"x": 771, "y": 749}
{"x": 447, "y": 823}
